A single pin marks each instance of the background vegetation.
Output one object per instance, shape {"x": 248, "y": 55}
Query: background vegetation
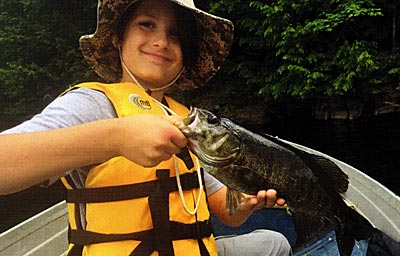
{"x": 283, "y": 49}
{"x": 40, "y": 53}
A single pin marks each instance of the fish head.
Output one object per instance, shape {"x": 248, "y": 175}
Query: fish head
{"x": 210, "y": 139}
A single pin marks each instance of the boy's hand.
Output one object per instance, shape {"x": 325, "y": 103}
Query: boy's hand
{"x": 149, "y": 139}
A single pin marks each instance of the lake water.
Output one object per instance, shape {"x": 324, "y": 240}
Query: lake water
{"x": 372, "y": 146}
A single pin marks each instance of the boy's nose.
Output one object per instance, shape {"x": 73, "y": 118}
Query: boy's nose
{"x": 161, "y": 39}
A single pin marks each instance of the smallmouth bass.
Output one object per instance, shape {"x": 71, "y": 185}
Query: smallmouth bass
{"x": 247, "y": 162}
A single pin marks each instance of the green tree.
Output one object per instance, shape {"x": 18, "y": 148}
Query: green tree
{"x": 40, "y": 53}
{"x": 282, "y": 48}
{"x": 311, "y": 47}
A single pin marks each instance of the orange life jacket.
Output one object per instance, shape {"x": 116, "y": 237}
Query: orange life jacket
{"x": 133, "y": 210}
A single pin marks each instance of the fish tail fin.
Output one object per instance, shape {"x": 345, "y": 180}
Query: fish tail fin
{"x": 233, "y": 200}
{"x": 361, "y": 227}
{"x": 352, "y": 226}
{"x": 345, "y": 240}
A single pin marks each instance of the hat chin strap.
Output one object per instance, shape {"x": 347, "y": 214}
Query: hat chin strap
{"x": 149, "y": 91}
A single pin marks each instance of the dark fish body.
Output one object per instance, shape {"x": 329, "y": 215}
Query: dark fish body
{"x": 248, "y": 162}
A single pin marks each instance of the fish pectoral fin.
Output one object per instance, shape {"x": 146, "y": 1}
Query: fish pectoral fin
{"x": 233, "y": 200}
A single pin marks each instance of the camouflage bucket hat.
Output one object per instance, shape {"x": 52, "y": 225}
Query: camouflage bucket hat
{"x": 215, "y": 38}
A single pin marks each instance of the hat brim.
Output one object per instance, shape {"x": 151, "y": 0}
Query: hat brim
{"x": 215, "y": 39}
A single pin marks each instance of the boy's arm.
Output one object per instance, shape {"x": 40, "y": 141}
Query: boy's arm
{"x": 27, "y": 159}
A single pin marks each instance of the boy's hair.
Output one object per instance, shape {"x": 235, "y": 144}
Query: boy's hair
{"x": 187, "y": 31}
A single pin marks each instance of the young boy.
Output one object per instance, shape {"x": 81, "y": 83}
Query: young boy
{"x": 133, "y": 187}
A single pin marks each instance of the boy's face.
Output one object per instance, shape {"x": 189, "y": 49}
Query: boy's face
{"x": 150, "y": 46}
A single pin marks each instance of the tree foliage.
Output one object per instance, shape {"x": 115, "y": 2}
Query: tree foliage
{"x": 312, "y": 47}
{"x": 301, "y": 48}
{"x": 40, "y": 51}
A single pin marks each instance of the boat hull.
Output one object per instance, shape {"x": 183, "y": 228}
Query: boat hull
{"x": 45, "y": 234}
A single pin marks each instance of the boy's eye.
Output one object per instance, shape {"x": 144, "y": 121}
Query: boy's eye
{"x": 146, "y": 24}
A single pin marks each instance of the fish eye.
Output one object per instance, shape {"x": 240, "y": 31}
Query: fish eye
{"x": 212, "y": 119}
{"x": 209, "y": 116}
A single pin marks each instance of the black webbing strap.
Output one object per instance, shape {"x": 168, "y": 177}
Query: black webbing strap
{"x": 159, "y": 208}
{"x": 132, "y": 191}
{"x": 178, "y": 230}
{"x": 76, "y": 250}
{"x": 145, "y": 248}
{"x": 164, "y": 231}
{"x": 84, "y": 237}
{"x": 203, "y": 248}
{"x": 184, "y": 155}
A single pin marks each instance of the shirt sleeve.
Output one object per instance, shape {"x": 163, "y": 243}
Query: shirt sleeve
{"x": 212, "y": 184}
{"x": 76, "y": 107}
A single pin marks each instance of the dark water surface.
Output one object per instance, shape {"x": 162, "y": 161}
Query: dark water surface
{"x": 372, "y": 146}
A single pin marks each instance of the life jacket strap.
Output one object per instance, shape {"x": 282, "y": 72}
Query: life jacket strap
{"x": 130, "y": 191}
{"x": 164, "y": 231}
{"x": 178, "y": 230}
{"x": 84, "y": 237}
{"x": 159, "y": 209}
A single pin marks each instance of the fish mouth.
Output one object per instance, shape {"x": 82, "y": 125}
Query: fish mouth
{"x": 211, "y": 159}
{"x": 209, "y": 139}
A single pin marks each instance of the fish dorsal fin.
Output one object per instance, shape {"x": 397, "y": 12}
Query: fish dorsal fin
{"x": 233, "y": 200}
{"x": 338, "y": 177}
{"x": 328, "y": 173}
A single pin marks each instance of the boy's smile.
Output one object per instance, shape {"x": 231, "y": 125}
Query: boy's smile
{"x": 157, "y": 57}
